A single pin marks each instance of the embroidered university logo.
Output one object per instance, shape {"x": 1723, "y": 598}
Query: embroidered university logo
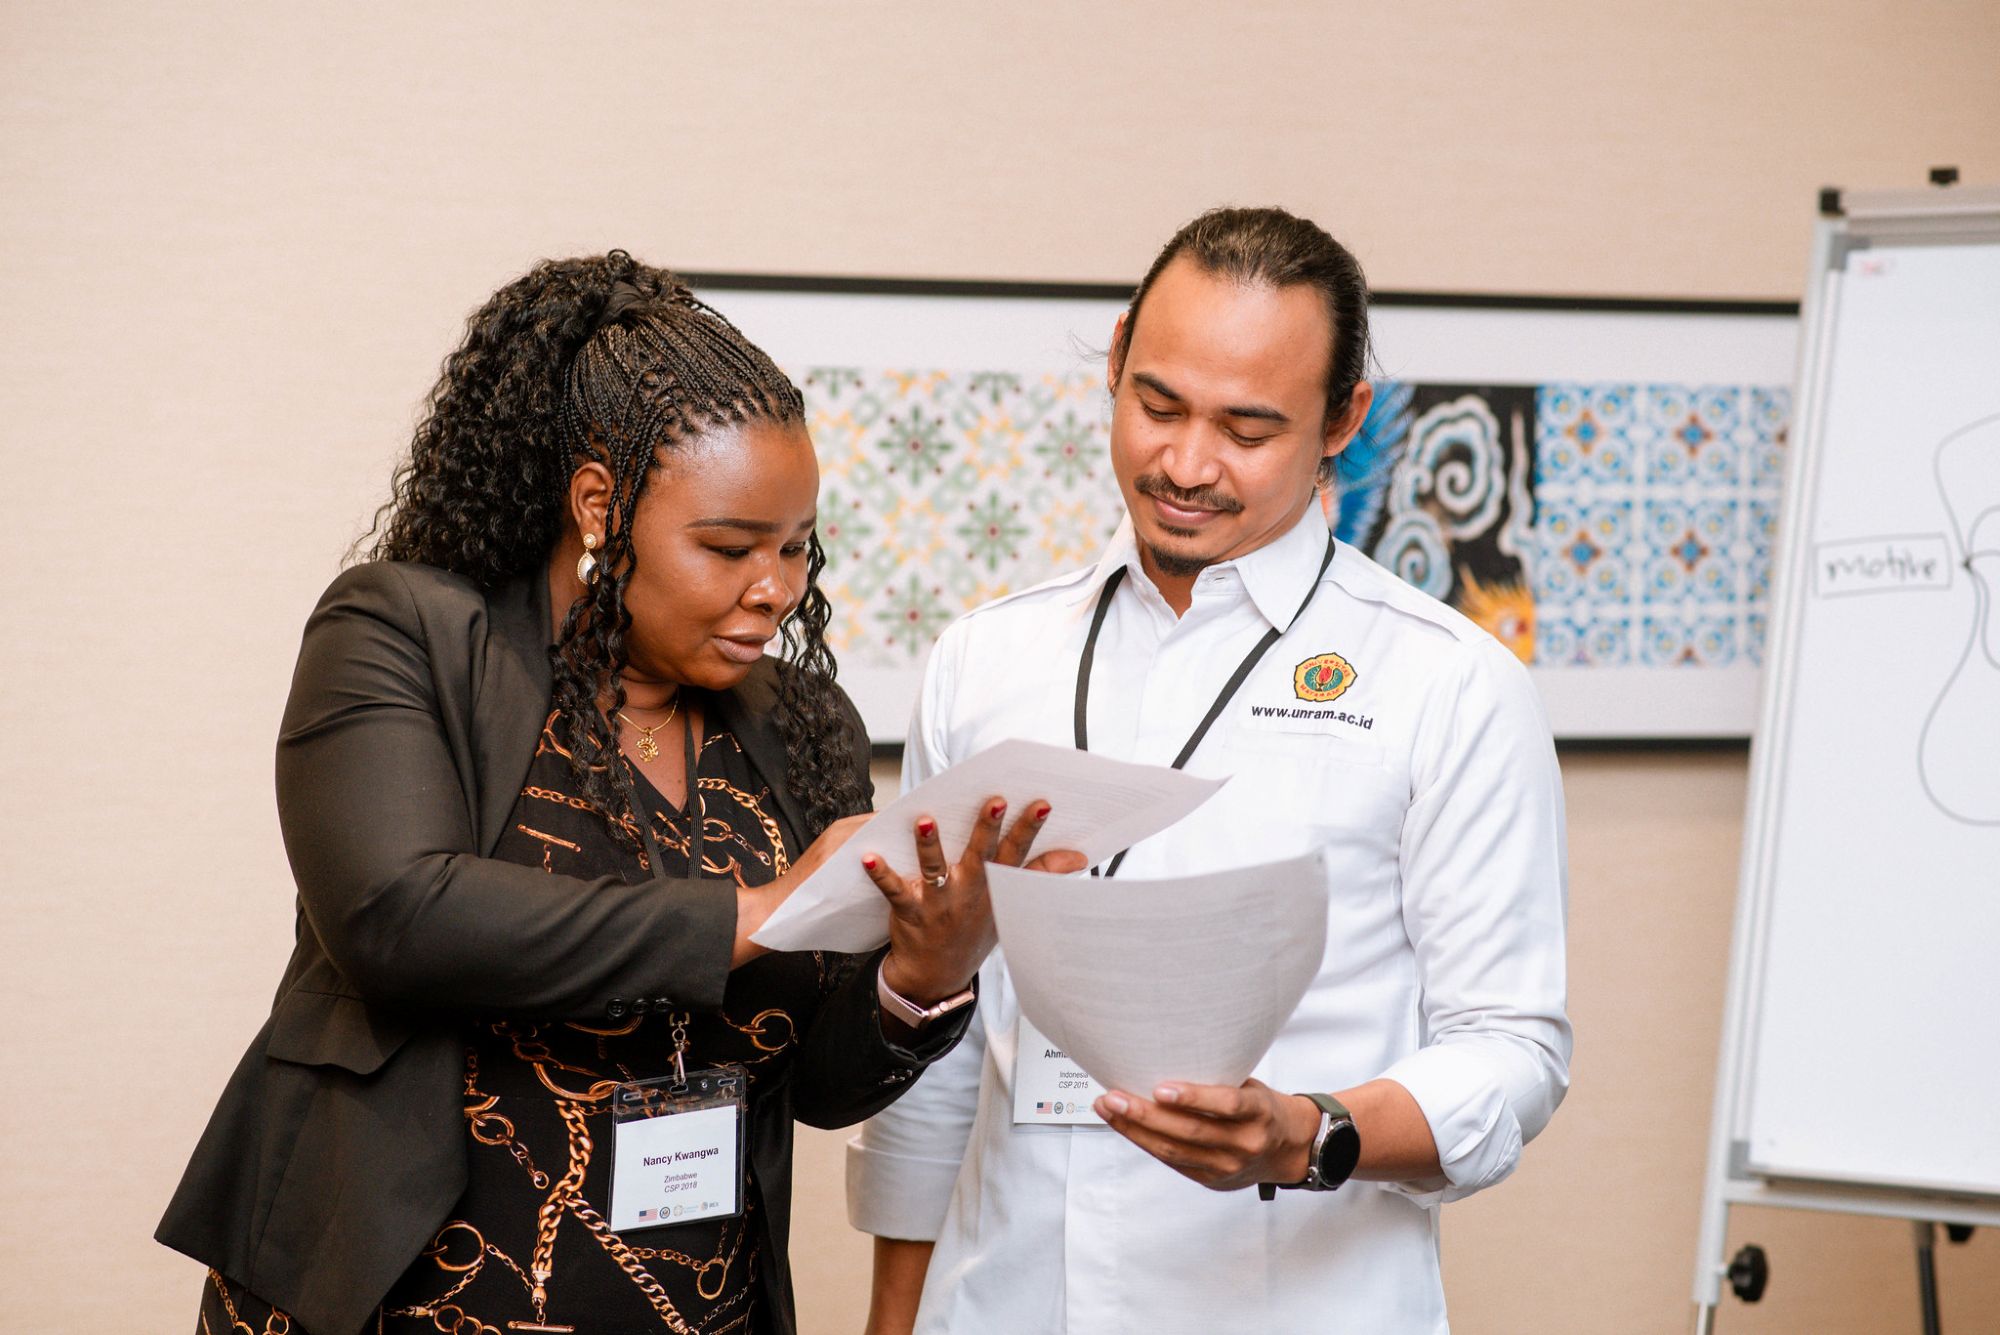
{"x": 1322, "y": 677}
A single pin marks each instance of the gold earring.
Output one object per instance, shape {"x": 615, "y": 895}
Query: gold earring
{"x": 586, "y": 565}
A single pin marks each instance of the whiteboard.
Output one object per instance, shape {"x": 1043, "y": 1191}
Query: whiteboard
{"x": 1872, "y": 1020}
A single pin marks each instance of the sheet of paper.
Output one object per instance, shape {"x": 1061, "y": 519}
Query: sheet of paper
{"x": 1188, "y": 978}
{"x": 1098, "y": 806}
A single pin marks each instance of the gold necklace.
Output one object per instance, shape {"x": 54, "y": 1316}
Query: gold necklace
{"x": 649, "y": 750}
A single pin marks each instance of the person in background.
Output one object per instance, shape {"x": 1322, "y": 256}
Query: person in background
{"x": 539, "y": 781}
{"x": 1357, "y": 716}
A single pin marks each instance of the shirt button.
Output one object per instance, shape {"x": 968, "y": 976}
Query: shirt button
{"x": 615, "y": 1008}
{"x": 640, "y": 1005}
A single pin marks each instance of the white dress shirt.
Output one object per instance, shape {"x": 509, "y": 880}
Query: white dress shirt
{"x": 1432, "y": 783}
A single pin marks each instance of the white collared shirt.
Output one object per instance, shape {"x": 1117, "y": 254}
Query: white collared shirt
{"x": 1431, "y": 781}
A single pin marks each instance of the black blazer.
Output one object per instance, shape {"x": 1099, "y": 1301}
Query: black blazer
{"x": 338, "y": 1147}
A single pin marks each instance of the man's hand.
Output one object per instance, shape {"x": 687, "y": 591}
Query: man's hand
{"x": 1222, "y": 1137}
{"x": 1228, "y": 1138}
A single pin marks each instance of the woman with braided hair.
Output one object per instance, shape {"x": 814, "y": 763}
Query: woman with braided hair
{"x": 539, "y": 783}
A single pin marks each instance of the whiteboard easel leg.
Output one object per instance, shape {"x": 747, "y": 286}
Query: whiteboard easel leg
{"x": 1704, "y": 1319}
{"x": 1926, "y": 1237}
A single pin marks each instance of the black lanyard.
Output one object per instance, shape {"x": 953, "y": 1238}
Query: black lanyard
{"x": 691, "y": 805}
{"x": 1236, "y": 679}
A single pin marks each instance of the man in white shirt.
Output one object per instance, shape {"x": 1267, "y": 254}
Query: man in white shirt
{"x": 1376, "y": 724}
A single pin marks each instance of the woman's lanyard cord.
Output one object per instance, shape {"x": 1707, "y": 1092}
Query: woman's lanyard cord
{"x": 692, "y": 804}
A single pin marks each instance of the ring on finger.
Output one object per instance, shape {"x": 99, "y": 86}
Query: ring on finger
{"x": 937, "y": 882}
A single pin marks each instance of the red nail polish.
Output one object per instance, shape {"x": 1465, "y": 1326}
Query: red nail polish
{"x": 869, "y": 862}
{"x": 999, "y": 810}
{"x": 926, "y": 827}
{"x": 1042, "y": 812}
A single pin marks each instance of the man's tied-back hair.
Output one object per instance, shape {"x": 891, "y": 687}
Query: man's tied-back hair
{"x": 1273, "y": 248}
{"x": 608, "y": 359}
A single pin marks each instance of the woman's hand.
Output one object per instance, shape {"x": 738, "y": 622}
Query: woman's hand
{"x": 755, "y": 904}
{"x": 940, "y": 921}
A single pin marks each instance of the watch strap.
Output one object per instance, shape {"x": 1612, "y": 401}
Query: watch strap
{"x": 909, "y": 1012}
{"x": 1332, "y": 1107}
{"x": 1333, "y": 1117}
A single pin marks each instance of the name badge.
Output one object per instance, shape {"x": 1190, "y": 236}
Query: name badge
{"x": 677, "y": 1149}
{"x": 1049, "y": 1088}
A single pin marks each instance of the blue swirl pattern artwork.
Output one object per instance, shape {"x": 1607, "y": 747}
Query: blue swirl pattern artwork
{"x": 1445, "y": 476}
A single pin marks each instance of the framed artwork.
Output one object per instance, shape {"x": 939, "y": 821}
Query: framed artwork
{"x": 1595, "y": 482}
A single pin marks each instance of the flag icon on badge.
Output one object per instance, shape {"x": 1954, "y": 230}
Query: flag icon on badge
{"x": 1043, "y": 1107}
{"x": 648, "y": 1214}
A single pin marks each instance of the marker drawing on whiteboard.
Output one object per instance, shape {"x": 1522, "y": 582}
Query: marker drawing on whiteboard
{"x": 1894, "y": 564}
{"x": 1958, "y": 754}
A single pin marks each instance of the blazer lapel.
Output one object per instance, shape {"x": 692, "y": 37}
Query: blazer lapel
{"x": 513, "y": 701}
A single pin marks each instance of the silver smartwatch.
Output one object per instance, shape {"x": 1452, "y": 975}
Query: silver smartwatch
{"x": 909, "y": 1012}
{"x": 1336, "y": 1149}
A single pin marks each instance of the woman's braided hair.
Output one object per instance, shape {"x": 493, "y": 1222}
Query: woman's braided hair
{"x": 602, "y": 358}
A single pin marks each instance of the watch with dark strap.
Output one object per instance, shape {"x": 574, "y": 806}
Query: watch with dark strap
{"x": 1336, "y": 1149}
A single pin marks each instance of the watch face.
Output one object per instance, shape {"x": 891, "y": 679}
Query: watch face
{"x": 1338, "y": 1153}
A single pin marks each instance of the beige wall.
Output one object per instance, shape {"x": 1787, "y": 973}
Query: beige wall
{"x": 237, "y": 240}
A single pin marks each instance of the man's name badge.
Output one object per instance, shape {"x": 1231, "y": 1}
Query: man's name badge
{"x": 677, "y": 1149}
{"x": 1049, "y": 1088}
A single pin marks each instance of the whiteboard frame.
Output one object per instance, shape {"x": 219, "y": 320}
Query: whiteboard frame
{"x": 1892, "y": 217}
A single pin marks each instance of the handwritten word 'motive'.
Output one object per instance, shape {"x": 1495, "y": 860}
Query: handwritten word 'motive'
{"x": 1881, "y": 565}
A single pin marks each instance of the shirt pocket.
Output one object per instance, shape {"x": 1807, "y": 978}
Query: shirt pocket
{"x": 1311, "y": 789}
{"x": 1346, "y": 799}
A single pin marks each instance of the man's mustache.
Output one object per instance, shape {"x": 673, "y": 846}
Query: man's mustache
{"x": 1201, "y": 498}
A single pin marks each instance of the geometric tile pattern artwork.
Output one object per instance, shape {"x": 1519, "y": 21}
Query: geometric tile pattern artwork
{"x": 940, "y": 491}
{"x": 1584, "y": 524}
{"x": 1657, "y": 517}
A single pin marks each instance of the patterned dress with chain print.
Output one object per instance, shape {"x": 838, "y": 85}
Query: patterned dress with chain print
{"x": 529, "y": 1246}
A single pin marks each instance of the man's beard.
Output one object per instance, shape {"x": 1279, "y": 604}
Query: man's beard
{"x": 1175, "y": 565}
{"x": 1178, "y": 565}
